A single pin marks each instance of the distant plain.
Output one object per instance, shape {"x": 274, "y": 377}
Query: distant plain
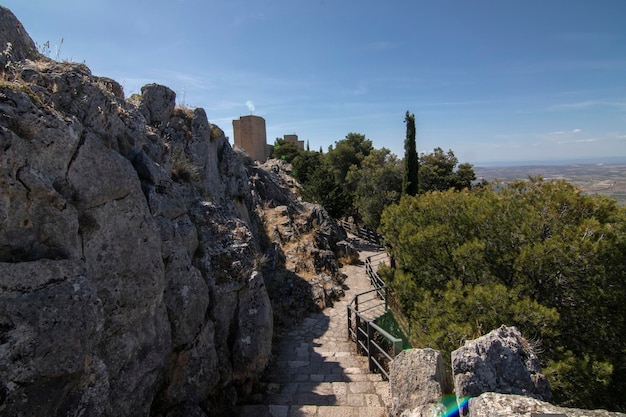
{"x": 607, "y": 179}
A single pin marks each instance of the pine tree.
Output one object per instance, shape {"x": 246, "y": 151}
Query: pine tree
{"x": 411, "y": 161}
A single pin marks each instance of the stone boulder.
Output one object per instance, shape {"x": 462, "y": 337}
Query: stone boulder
{"x": 347, "y": 253}
{"x": 502, "y": 361}
{"x": 12, "y": 31}
{"x": 418, "y": 380}
{"x": 157, "y": 103}
{"x": 505, "y": 405}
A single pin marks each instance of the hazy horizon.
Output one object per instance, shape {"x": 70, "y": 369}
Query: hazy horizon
{"x": 608, "y": 160}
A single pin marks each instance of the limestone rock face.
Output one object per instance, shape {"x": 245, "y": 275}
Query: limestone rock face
{"x": 157, "y": 104}
{"x": 503, "y": 405}
{"x": 418, "y": 379}
{"x": 11, "y": 30}
{"x": 134, "y": 259}
{"x": 502, "y": 361}
{"x": 300, "y": 263}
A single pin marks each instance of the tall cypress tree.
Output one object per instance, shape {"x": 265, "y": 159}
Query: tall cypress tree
{"x": 411, "y": 161}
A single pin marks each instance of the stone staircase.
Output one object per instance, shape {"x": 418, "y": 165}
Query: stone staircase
{"x": 317, "y": 371}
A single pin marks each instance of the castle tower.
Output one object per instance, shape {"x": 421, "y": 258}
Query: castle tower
{"x": 250, "y": 135}
{"x": 294, "y": 139}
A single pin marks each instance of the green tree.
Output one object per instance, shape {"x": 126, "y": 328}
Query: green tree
{"x": 465, "y": 175}
{"x": 531, "y": 246}
{"x": 346, "y": 153}
{"x": 439, "y": 172}
{"x": 321, "y": 188}
{"x": 285, "y": 150}
{"x": 374, "y": 186}
{"x": 305, "y": 164}
{"x": 448, "y": 317}
{"x": 411, "y": 161}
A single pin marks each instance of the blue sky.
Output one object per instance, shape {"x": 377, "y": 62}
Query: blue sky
{"x": 498, "y": 80}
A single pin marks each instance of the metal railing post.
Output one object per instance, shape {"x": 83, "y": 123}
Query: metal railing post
{"x": 357, "y": 320}
{"x": 386, "y": 298}
{"x": 370, "y": 336}
{"x": 349, "y": 321}
{"x": 397, "y": 347}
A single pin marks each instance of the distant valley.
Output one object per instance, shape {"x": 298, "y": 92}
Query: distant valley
{"x": 607, "y": 179}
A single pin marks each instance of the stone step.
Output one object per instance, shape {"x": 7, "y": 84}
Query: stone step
{"x": 310, "y": 411}
{"x": 317, "y": 372}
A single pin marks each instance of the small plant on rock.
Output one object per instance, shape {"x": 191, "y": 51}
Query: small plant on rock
{"x": 183, "y": 169}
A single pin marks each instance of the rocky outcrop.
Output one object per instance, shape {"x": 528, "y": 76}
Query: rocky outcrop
{"x": 303, "y": 240}
{"x": 15, "y": 40}
{"x": 503, "y": 405}
{"x": 418, "y": 380}
{"x": 483, "y": 369}
{"x": 134, "y": 260}
{"x": 502, "y": 361}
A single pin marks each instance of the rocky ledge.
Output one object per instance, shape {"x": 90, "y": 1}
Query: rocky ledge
{"x": 496, "y": 375}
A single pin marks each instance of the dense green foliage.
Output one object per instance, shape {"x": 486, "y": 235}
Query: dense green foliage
{"x": 438, "y": 171}
{"x": 305, "y": 164}
{"x": 355, "y": 179}
{"x": 537, "y": 255}
{"x": 375, "y": 185}
{"x": 323, "y": 176}
{"x": 411, "y": 163}
{"x": 285, "y": 150}
{"x": 322, "y": 188}
{"x": 348, "y": 152}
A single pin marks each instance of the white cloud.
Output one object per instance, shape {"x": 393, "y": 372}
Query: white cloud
{"x": 569, "y": 142}
{"x": 619, "y": 105}
{"x": 565, "y": 132}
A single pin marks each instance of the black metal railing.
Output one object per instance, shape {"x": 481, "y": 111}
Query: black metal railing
{"x": 376, "y": 280}
{"x": 362, "y": 232}
{"x": 372, "y": 340}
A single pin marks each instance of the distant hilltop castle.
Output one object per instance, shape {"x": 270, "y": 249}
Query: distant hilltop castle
{"x": 250, "y": 135}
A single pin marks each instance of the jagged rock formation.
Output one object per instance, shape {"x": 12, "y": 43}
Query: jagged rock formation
{"x": 504, "y": 405}
{"x": 501, "y": 361}
{"x": 418, "y": 380}
{"x": 493, "y": 370}
{"x": 13, "y": 33}
{"x": 133, "y": 248}
{"x": 304, "y": 242}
